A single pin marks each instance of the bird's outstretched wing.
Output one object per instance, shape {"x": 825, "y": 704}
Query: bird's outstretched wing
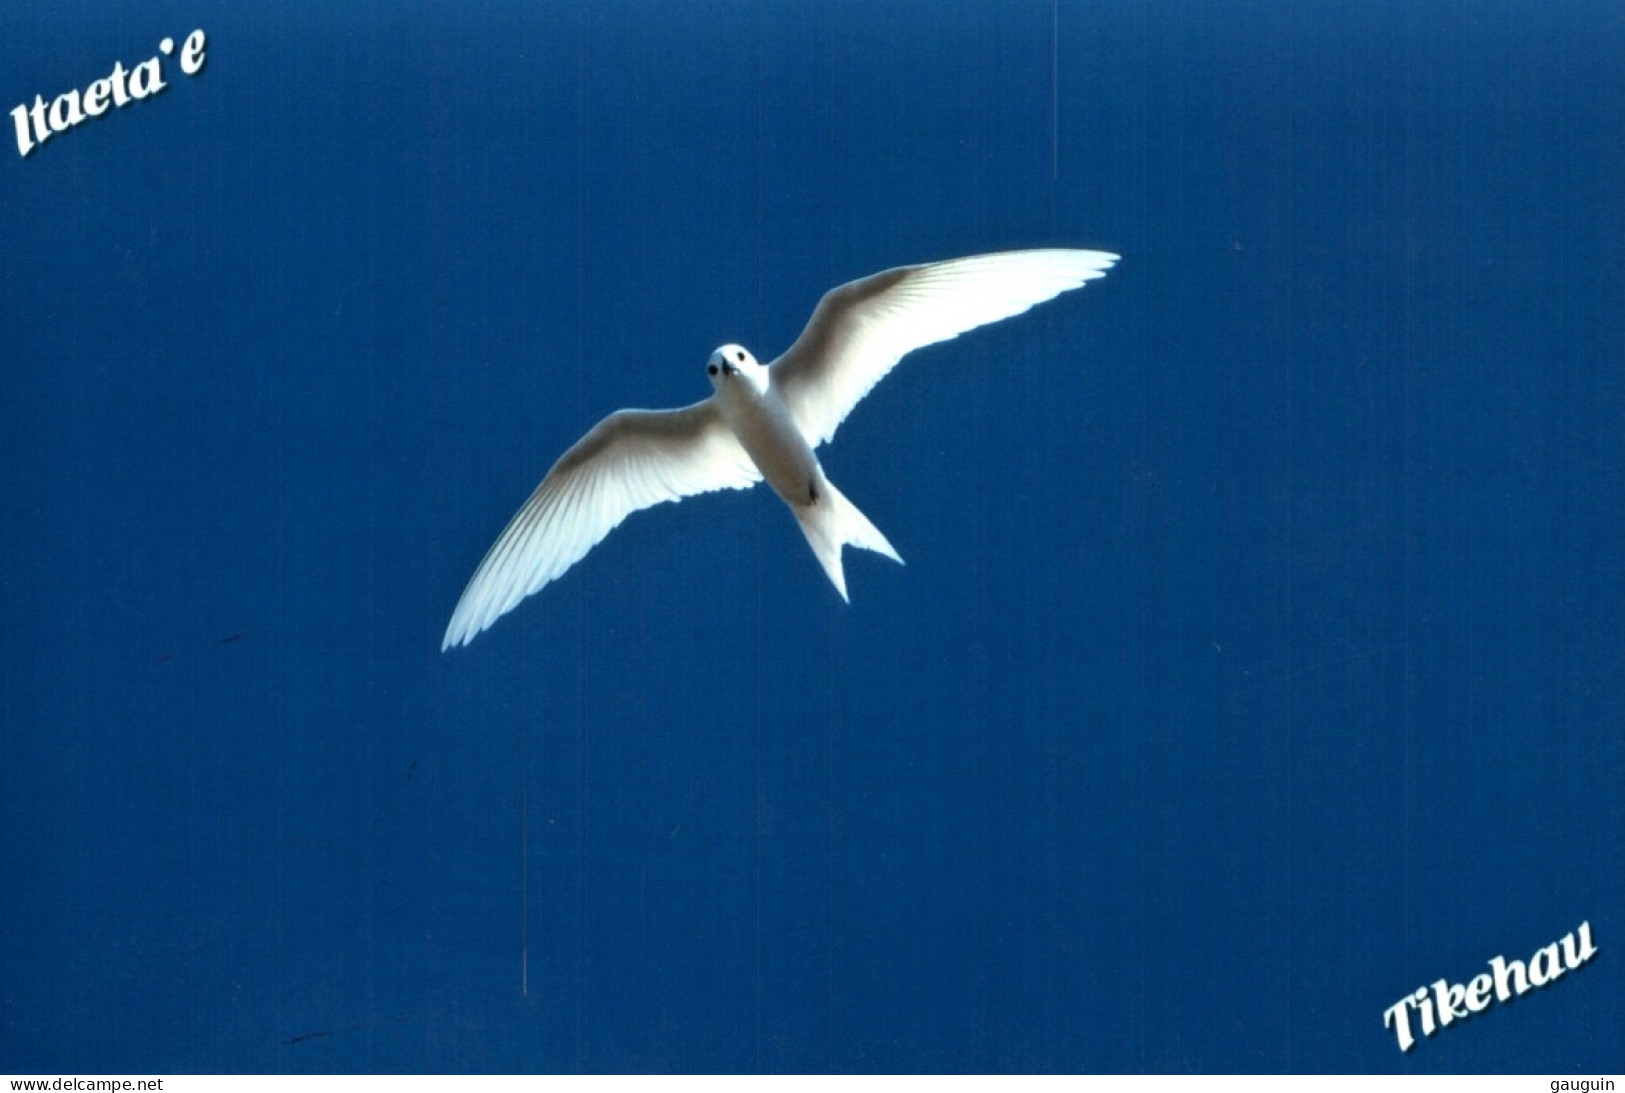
{"x": 861, "y": 329}
{"x": 629, "y": 461}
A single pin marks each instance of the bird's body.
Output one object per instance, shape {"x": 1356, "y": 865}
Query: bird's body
{"x": 760, "y": 423}
{"x": 758, "y": 418}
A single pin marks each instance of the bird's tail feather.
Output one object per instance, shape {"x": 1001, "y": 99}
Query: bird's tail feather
{"x": 832, "y": 522}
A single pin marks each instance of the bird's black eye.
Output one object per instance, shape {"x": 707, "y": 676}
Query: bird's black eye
{"x": 740, "y": 356}
{"x": 712, "y": 369}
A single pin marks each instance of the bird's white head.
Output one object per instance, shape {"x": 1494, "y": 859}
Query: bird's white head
{"x": 733, "y": 363}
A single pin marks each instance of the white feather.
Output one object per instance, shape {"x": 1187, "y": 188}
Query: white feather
{"x": 629, "y": 461}
{"x": 862, "y": 329}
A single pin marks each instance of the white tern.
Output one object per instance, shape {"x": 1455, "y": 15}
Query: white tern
{"x": 760, "y": 422}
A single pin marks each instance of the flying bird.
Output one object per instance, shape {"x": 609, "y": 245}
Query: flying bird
{"x": 761, "y": 422}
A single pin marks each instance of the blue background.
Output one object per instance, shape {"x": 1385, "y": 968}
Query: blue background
{"x": 1258, "y": 657}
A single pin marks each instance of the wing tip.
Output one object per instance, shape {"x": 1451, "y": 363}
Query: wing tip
{"x": 1096, "y": 262}
{"x": 455, "y": 637}
{"x": 467, "y": 623}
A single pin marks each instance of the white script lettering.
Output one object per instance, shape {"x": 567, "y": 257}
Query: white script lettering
{"x": 38, "y": 123}
{"x": 1445, "y": 1002}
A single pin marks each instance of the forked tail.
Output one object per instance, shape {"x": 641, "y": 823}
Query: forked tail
{"x": 830, "y": 523}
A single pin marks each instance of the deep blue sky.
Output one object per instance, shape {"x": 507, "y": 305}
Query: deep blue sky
{"x": 1258, "y": 657}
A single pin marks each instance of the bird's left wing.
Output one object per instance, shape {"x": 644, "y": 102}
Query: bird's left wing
{"x": 629, "y": 461}
{"x": 862, "y": 329}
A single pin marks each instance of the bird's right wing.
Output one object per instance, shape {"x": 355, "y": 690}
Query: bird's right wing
{"x": 860, "y": 330}
{"x": 629, "y": 461}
